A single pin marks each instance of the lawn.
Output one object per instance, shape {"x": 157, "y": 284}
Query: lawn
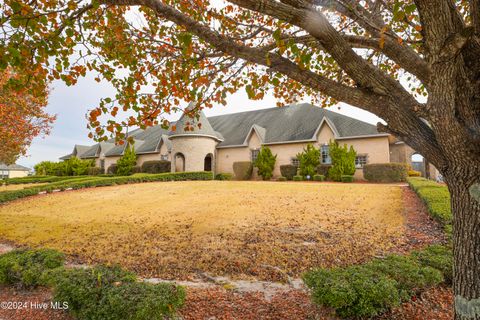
{"x": 175, "y": 230}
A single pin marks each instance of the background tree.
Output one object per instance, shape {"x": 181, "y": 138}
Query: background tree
{"x": 343, "y": 161}
{"x": 309, "y": 160}
{"x": 265, "y": 163}
{"x": 22, "y": 117}
{"x": 413, "y": 63}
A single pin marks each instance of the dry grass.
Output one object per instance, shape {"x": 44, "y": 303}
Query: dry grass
{"x": 243, "y": 229}
{"x": 11, "y": 187}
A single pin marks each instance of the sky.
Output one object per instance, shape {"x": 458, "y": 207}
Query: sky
{"x": 70, "y": 104}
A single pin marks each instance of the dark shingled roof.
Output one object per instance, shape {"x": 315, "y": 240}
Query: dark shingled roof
{"x": 13, "y": 167}
{"x": 286, "y": 124}
{"x": 298, "y": 122}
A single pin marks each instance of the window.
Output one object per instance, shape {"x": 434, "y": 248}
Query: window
{"x": 360, "y": 161}
{"x": 102, "y": 164}
{"x": 254, "y": 154}
{"x": 325, "y": 154}
{"x": 3, "y": 174}
{"x": 295, "y": 162}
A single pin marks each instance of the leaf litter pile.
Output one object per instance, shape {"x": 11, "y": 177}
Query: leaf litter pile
{"x": 267, "y": 231}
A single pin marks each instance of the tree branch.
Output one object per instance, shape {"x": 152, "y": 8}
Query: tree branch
{"x": 405, "y": 56}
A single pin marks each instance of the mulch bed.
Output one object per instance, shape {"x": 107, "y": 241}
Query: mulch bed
{"x": 433, "y": 304}
{"x": 421, "y": 229}
{"x": 27, "y": 300}
{"x": 221, "y": 304}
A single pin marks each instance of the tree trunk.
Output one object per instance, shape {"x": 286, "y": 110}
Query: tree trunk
{"x": 466, "y": 239}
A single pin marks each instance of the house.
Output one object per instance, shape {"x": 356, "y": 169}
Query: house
{"x": 215, "y": 143}
{"x": 13, "y": 171}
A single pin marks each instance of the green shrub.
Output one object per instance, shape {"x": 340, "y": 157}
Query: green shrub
{"x": 309, "y": 160}
{"x": 438, "y": 257}
{"x": 223, "y": 176}
{"x": 346, "y": 178}
{"x": 353, "y": 291}
{"x": 110, "y": 293}
{"x": 281, "y": 179}
{"x": 71, "y": 167}
{"x": 385, "y": 172}
{"x": 318, "y": 177}
{"x": 136, "y": 169}
{"x": 343, "y": 161}
{"x": 156, "y": 166}
{"x": 126, "y": 162}
{"x": 45, "y": 168}
{"x": 436, "y": 197}
{"x": 297, "y": 178}
{"x": 112, "y": 169}
{"x": 94, "y": 171}
{"x": 24, "y": 268}
{"x": 288, "y": 171}
{"x": 372, "y": 288}
{"x": 243, "y": 170}
{"x": 322, "y": 169}
{"x": 413, "y": 173}
{"x": 407, "y": 272}
{"x": 265, "y": 163}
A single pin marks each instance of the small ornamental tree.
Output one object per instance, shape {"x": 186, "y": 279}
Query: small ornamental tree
{"x": 309, "y": 160}
{"x": 343, "y": 161}
{"x": 126, "y": 163}
{"x": 265, "y": 163}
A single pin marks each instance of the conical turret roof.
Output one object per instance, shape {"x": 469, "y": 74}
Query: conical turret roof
{"x": 194, "y": 122}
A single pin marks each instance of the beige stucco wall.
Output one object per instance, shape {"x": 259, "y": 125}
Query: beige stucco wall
{"x": 141, "y": 158}
{"x": 376, "y": 148}
{"x": 109, "y": 161}
{"x": 194, "y": 149}
{"x": 17, "y": 174}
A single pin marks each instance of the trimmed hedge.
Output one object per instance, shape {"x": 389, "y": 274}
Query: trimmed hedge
{"x": 319, "y": 177}
{"x": 288, "y": 171}
{"x": 136, "y": 169}
{"x": 297, "y": 178}
{"x": 38, "y": 179}
{"x": 322, "y": 169}
{"x": 156, "y": 166}
{"x": 95, "y": 181}
{"x": 372, "y": 288}
{"x": 24, "y": 268}
{"x": 385, "y": 172}
{"x": 223, "y": 176}
{"x": 243, "y": 170}
{"x": 438, "y": 257}
{"x": 110, "y": 293}
{"x": 437, "y": 199}
{"x": 281, "y": 179}
{"x": 94, "y": 171}
{"x": 112, "y": 169}
{"x": 413, "y": 173}
{"x": 347, "y": 178}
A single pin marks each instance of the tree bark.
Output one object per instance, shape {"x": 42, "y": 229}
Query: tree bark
{"x": 466, "y": 239}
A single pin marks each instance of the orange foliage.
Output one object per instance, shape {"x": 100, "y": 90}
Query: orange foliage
{"x": 22, "y": 118}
